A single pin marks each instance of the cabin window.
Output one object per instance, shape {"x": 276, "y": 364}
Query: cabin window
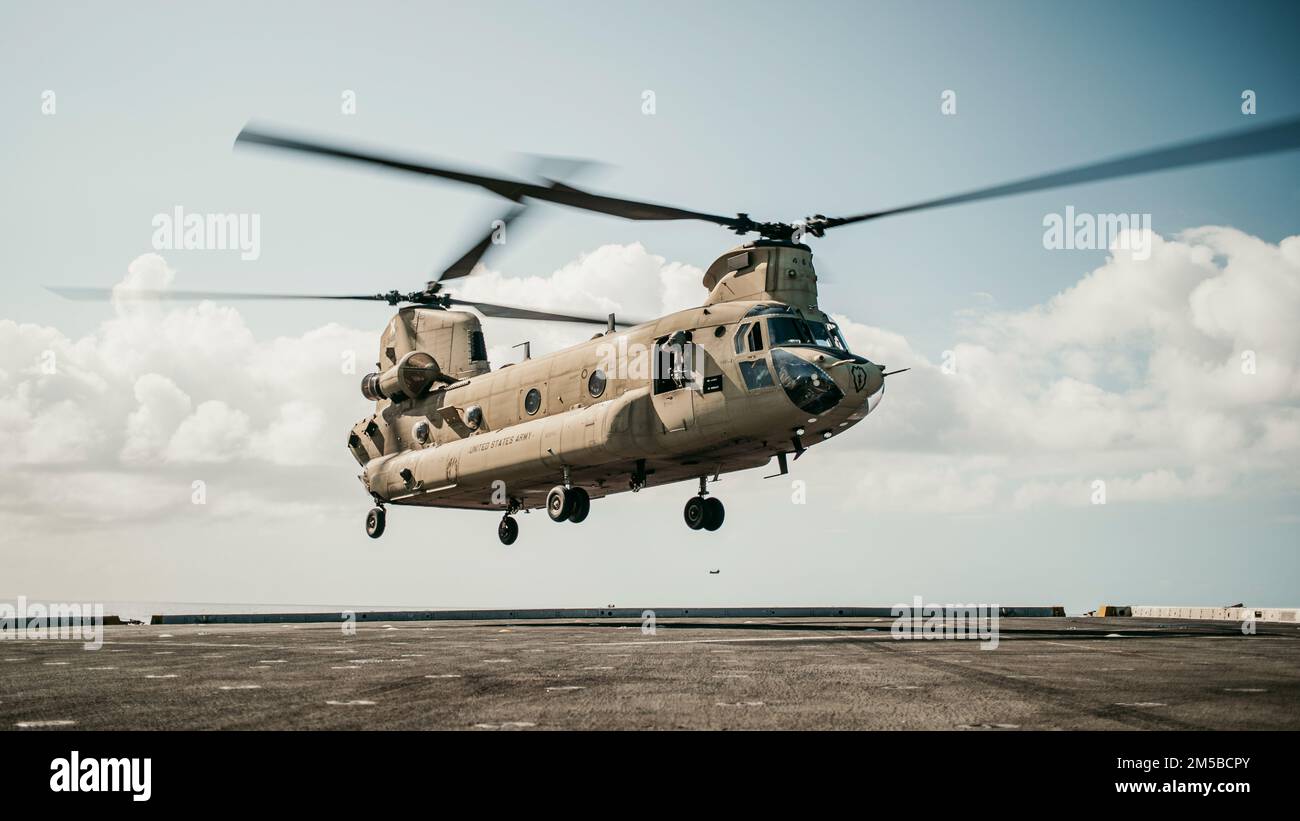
{"x": 756, "y": 374}
{"x": 596, "y": 383}
{"x": 532, "y": 401}
{"x": 672, "y": 366}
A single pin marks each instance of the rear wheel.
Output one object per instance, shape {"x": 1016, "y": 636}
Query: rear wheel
{"x": 714, "y": 513}
{"x": 375, "y": 522}
{"x": 581, "y": 505}
{"x": 508, "y": 530}
{"x": 693, "y": 513}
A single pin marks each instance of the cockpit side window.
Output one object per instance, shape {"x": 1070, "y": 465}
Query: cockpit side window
{"x": 740, "y": 337}
{"x": 756, "y": 337}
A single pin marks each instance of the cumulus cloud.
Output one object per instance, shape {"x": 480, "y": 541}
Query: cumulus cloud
{"x": 1170, "y": 377}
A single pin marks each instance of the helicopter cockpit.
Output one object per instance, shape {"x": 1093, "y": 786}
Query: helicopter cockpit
{"x": 786, "y": 328}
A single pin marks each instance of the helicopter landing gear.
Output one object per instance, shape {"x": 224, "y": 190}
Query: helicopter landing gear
{"x": 571, "y": 504}
{"x": 508, "y": 530}
{"x": 375, "y": 522}
{"x": 581, "y": 505}
{"x": 704, "y": 512}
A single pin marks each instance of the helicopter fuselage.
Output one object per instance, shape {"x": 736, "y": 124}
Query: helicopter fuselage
{"x": 757, "y": 371}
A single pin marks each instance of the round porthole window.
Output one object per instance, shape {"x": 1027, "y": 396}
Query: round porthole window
{"x": 473, "y": 417}
{"x": 422, "y": 432}
{"x": 596, "y": 384}
{"x": 532, "y": 401}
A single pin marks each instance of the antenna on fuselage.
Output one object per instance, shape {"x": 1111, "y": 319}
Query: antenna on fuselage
{"x": 528, "y": 349}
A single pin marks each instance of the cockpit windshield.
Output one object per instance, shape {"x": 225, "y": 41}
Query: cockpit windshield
{"x": 827, "y": 335}
{"x": 791, "y": 330}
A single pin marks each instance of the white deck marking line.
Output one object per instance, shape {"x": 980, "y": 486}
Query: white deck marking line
{"x": 1074, "y": 646}
{"x": 190, "y": 644}
{"x": 649, "y": 642}
{"x": 58, "y": 722}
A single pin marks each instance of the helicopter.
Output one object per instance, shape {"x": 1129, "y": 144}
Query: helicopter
{"x": 758, "y": 371}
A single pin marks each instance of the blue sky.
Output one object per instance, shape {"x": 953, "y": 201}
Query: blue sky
{"x": 776, "y": 110}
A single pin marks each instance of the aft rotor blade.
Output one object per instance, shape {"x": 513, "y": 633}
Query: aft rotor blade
{"x": 512, "y": 312}
{"x": 106, "y": 294}
{"x": 514, "y": 190}
{"x": 474, "y": 255}
{"x": 1281, "y": 136}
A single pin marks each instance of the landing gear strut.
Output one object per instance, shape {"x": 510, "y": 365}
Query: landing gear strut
{"x": 704, "y": 512}
{"x": 508, "y": 530}
{"x": 375, "y": 522}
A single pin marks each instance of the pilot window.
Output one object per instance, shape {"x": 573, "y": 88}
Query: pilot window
{"x": 756, "y": 337}
{"x": 756, "y": 374}
{"x": 789, "y": 330}
{"x": 827, "y": 335}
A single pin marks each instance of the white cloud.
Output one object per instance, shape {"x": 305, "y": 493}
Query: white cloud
{"x": 1134, "y": 375}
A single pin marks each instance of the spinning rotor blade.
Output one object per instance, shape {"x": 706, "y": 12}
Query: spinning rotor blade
{"x": 474, "y": 255}
{"x": 514, "y": 190}
{"x": 393, "y": 298}
{"x": 555, "y": 168}
{"x": 1282, "y": 136}
{"x": 105, "y": 294}
{"x": 511, "y": 312}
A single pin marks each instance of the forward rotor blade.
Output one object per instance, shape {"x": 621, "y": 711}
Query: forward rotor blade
{"x": 514, "y": 190}
{"x": 106, "y": 294}
{"x": 511, "y": 312}
{"x": 1281, "y": 136}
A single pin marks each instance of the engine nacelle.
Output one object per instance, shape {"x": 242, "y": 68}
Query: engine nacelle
{"x": 413, "y": 374}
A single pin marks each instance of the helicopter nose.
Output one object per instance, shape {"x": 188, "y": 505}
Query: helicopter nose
{"x": 872, "y": 378}
{"x": 816, "y": 383}
{"x": 860, "y": 381}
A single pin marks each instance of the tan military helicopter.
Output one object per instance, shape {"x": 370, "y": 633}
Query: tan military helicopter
{"x": 756, "y": 372}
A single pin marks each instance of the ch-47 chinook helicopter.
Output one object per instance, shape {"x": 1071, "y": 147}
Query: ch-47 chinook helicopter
{"x": 756, "y": 372}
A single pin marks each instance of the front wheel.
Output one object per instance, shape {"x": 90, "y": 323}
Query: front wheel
{"x": 375, "y": 522}
{"x": 508, "y": 530}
